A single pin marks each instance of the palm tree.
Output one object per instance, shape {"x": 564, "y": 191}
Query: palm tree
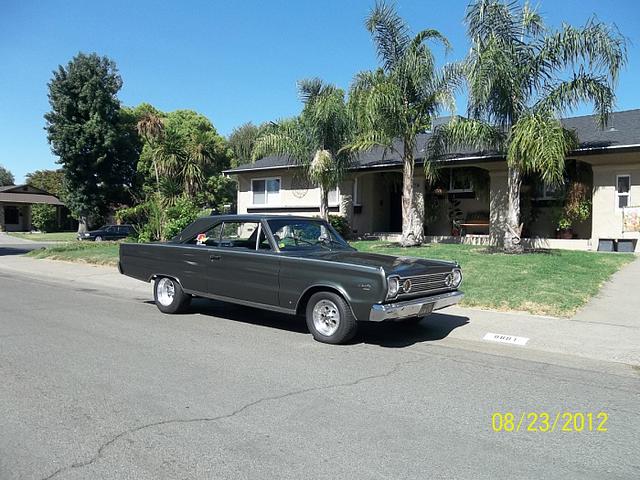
{"x": 399, "y": 101}
{"x": 197, "y": 156}
{"x": 522, "y": 77}
{"x": 151, "y": 128}
{"x": 315, "y": 140}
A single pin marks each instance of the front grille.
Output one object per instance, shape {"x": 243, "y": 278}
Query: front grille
{"x": 432, "y": 282}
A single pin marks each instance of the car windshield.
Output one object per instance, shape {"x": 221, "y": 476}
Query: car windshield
{"x": 296, "y": 234}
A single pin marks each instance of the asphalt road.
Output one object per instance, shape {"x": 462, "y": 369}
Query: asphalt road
{"x": 100, "y": 385}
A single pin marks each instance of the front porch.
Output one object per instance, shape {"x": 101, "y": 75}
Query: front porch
{"x": 468, "y": 205}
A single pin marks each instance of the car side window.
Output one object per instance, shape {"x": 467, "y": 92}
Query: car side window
{"x": 263, "y": 243}
{"x": 239, "y": 235}
{"x": 110, "y": 229}
{"x": 210, "y": 238}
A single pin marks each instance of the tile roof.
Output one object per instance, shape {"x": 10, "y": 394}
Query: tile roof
{"x": 623, "y": 129}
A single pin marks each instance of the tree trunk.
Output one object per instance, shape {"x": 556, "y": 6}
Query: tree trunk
{"x": 324, "y": 203}
{"x": 513, "y": 228}
{"x": 411, "y": 231}
{"x": 82, "y": 224}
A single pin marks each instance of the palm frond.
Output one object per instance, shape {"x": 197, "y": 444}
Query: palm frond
{"x": 463, "y": 133}
{"x": 564, "y": 96}
{"x": 539, "y": 144}
{"x": 596, "y": 46}
{"x": 390, "y": 33}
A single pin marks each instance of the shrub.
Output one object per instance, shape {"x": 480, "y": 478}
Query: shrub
{"x": 179, "y": 216}
{"x": 341, "y": 224}
{"x": 44, "y": 218}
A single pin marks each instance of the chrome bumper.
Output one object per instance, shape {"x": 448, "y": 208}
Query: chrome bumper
{"x": 413, "y": 308}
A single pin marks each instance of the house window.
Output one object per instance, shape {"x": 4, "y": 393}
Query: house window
{"x": 459, "y": 181}
{"x": 544, "y": 191}
{"x": 265, "y": 191}
{"x": 623, "y": 188}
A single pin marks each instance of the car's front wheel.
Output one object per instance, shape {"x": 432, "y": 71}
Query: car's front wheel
{"x": 169, "y": 296}
{"x": 330, "y": 319}
{"x": 98, "y": 239}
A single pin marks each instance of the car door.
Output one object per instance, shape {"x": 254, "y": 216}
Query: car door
{"x": 194, "y": 259}
{"x": 244, "y": 266}
{"x": 111, "y": 232}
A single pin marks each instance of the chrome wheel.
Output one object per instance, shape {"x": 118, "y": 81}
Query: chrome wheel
{"x": 98, "y": 238}
{"x": 165, "y": 291}
{"x": 326, "y": 317}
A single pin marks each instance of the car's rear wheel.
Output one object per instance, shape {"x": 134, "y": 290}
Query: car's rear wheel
{"x": 330, "y": 319}
{"x": 98, "y": 238}
{"x": 169, "y": 296}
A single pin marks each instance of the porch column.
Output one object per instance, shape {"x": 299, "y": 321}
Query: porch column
{"x": 1, "y": 218}
{"x": 498, "y": 205}
{"x": 27, "y": 218}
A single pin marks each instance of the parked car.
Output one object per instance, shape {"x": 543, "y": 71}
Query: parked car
{"x": 108, "y": 232}
{"x": 293, "y": 265}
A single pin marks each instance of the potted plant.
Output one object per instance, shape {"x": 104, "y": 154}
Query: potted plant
{"x": 570, "y": 214}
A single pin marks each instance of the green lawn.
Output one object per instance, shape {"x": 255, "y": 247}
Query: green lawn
{"x": 46, "y": 237}
{"x": 99, "y": 253}
{"x": 555, "y": 283}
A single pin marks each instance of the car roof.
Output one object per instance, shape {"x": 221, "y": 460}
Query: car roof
{"x": 245, "y": 217}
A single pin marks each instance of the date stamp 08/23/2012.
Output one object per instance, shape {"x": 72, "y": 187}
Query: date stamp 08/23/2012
{"x": 549, "y": 422}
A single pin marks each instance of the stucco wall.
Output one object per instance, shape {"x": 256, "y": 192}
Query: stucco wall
{"x": 607, "y": 218}
{"x": 293, "y": 194}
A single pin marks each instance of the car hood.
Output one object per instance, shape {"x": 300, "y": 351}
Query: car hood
{"x": 392, "y": 265}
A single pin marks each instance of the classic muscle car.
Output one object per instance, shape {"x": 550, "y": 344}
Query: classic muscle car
{"x": 294, "y": 265}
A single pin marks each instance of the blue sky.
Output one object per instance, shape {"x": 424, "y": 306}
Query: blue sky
{"x": 232, "y": 61}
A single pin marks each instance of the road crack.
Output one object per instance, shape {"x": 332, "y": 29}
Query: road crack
{"x": 99, "y": 453}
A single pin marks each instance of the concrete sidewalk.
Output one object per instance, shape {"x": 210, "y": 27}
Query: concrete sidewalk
{"x": 618, "y": 302}
{"x": 593, "y": 333}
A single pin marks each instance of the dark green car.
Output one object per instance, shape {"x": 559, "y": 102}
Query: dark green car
{"x": 293, "y": 265}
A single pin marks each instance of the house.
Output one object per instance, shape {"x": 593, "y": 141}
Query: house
{"x": 468, "y": 203}
{"x": 15, "y": 206}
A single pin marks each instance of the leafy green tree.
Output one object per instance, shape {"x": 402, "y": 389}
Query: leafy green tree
{"x": 316, "y": 140}
{"x": 522, "y": 77}
{"x": 6, "y": 177}
{"x": 44, "y": 217}
{"x": 86, "y": 131}
{"x": 51, "y": 181}
{"x": 183, "y": 149}
{"x": 395, "y": 103}
{"x": 241, "y": 142}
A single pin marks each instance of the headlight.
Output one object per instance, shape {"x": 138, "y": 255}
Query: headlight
{"x": 87, "y": 234}
{"x": 456, "y": 277}
{"x": 393, "y": 285}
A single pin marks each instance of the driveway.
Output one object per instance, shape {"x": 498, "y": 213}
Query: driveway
{"x": 10, "y": 245}
{"x": 98, "y": 384}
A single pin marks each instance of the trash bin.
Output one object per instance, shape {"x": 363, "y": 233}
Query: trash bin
{"x": 606, "y": 245}
{"x": 626, "y": 245}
